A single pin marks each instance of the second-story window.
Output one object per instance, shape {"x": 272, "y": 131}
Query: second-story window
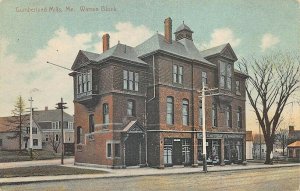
{"x": 105, "y": 113}
{"x": 239, "y": 117}
{"x": 185, "y": 112}
{"x": 130, "y": 80}
{"x": 91, "y": 123}
{"x": 200, "y": 114}
{"x": 228, "y": 116}
{"x": 84, "y": 82}
{"x": 130, "y": 108}
{"x": 170, "y": 110}
{"x": 177, "y": 74}
{"x": 214, "y": 115}
{"x": 237, "y": 87}
{"x": 204, "y": 78}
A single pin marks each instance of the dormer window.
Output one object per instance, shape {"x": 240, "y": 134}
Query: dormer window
{"x": 225, "y": 75}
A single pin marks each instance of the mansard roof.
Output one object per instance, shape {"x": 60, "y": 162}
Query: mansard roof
{"x": 184, "y": 48}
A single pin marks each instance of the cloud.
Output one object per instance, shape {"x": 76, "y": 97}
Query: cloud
{"x": 221, "y": 36}
{"x": 47, "y": 83}
{"x": 268, "y": 40}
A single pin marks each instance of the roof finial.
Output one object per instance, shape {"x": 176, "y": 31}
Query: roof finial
{"x": 183, "y": 22}
{"x": 118, "y": 41}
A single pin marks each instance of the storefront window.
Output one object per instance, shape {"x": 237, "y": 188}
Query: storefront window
{"x": 168, "y": 151}
{"x": 186, "y": 151}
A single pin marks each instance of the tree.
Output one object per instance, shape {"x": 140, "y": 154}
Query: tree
{"x": 19, "y": 114}
{"x": 54, "y": 141}
{"x": 272, "y": 81}
{"x": 282, "y": 137}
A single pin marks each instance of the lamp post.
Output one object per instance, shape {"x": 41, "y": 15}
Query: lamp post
{"x": 61, "y": 106}
{"x": 204, "y": 130}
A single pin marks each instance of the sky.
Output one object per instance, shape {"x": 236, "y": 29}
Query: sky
{"x": 28, "y": 39}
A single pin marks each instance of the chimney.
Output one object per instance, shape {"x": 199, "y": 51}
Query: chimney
{"x": 105, "y": 42}
{"x": 168, "y": 30}
{"x": 46, "y": 108}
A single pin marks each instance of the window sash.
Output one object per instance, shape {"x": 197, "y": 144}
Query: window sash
{"x": 185, "y": 112}
{"x": 170, "y": 111}
{"x": 109, "y": 150}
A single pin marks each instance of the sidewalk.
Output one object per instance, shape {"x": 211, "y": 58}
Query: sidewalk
{"x": 134, "y": 172}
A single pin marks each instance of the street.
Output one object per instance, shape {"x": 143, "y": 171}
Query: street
{"x": 287, "y": 178}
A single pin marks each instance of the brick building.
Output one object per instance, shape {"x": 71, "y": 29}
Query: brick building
{"x": 141, "y": 105}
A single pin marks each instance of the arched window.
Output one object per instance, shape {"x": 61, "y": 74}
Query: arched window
{"x": 170, "y": 110}
{"x": 105, "y": 113}
{"x": 91, "y": 123}
{"x": 185, "y": 112}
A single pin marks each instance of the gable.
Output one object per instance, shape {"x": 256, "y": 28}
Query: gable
{"x": 134, "y": 127}
{"x": 80, "y": 61}
{"x": 228, "y": 52}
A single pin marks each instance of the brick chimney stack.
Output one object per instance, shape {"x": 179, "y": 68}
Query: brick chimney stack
{"x": 168, "y": 30}
{"x": 105, "y": 42}
{"x": 46, "y": 108}
{"x": 291, "y": 128}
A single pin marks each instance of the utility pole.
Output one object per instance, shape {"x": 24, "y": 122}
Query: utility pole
{"x": 62, "y": 107}
{"x": 204, "y": 89}
{"x": 30, "y": 129}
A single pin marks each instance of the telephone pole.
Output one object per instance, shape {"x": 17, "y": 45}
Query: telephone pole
{"x": 61, "y": 106}
{"x": 203, "y": 91}
{"x": 30, "y": 129}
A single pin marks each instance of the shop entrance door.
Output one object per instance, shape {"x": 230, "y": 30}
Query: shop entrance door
{"x": 177, "y": 152}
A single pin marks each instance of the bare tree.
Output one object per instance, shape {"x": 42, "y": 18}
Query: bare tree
{"x": 54, "y": 141}
{"x": 282, "y": 137}
{"x": 272, "y": 80}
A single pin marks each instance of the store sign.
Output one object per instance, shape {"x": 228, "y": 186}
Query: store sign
{"x": 176, "y": 140}
{"x": 220, "y": 136}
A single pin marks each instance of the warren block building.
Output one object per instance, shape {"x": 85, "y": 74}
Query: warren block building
{"x": 142, "y": 106}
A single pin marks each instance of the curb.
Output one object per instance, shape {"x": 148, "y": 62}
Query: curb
{"x": 70, "y": 178}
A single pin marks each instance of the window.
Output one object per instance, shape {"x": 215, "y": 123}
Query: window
{"x": 228, "y": 116}
{"x": 200, "y": 114}
{"x": 237, "y": 87}
{"x": 56, "y": 137}
{"x": 70, "y": 125}
{"x": 239, "y": 117}
{"x": 27, "y": 130}
{"x": 204, "y": 78}
{"x": 168, "y": 144}
{"x": 79, "y": 135}
{"x": 47, "y": 139}
{"x": 170, "y": 110}
{"x": 34, "y": 130}
{"x": 105, "y": 113}
{"x": 84, "y": 82}
{"x": 214, "y": 115}
{"x": 177, "y": 74}
{"x": 130, "y": 80}
{"x": 130, "y": 108}
{"x": 185, "y": 112}
{"x": 35, "y": 142}
{"x": 91, "y": 123}
{"x": 108, "y": 150}
{"x": 117, "y": 150}
{"x": 225, "y": 75}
